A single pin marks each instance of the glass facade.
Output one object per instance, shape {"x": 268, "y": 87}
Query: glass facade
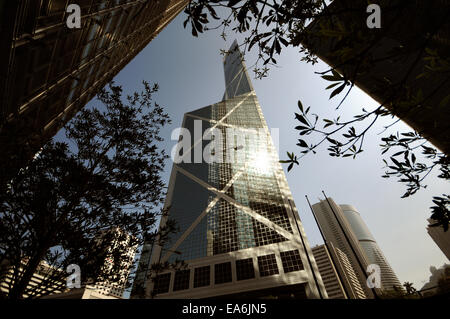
{"x": 244, "y": 169}
{"x": 202, "y": 276}
{"x": 244, "y": 269}
{"x": 49, "y": 71}
{"x": 229, "y": 197}
{"x": 370, "y": 247}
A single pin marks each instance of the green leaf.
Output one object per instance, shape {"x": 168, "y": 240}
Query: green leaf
{"x": 307, "y": 110}
{"x": 302, "y": 143}
{"x": 301, "y": 119}
{"x": 332, "y": 85}
{"x": 396, "y": 162}
{"x": 332, "y": 141}
{"x": 337, "y": 91}
{"x": 330, "y": 78}
{"x": 300, "y": 105}
{"x": 337, "y": 75}
{"x": 410, "y": 134}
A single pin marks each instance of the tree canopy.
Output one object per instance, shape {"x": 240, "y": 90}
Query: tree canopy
{"x": 414, "y": 85}
{"x": 105, "y": 175}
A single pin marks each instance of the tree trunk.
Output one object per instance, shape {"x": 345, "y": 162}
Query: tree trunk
{"x": 20, "y": 286}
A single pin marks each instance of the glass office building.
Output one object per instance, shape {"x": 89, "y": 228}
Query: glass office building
{"x": 343, "y": 226}
{"x": 49, "y": 71}
{"x": 370, "y": 247}
{"x": 239, "y": 230}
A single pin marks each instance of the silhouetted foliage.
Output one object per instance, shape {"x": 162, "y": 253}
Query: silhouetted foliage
{"x": 61, "y": 207}
{"x": 270, "y": 25}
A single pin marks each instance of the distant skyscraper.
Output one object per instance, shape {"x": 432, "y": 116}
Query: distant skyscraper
{"x": 440, "y": 237}
{"x": 44, "y": 281}
{"x": 240, "y": 233}
{"x": 48, "y": 71}
{"x": 106, "y": 288}
{"x": 116, "y": 288}
{"x": 370, "y": 247}
{"x": 363, "y": 245}
{"x": 337, "y": 273}
{"x": 328, "y": 272}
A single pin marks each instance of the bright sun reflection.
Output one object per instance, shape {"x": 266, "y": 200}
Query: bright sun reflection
{"x": 261, "y": 162}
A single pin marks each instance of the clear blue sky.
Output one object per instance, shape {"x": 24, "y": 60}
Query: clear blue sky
{"x": 190, "y": 74}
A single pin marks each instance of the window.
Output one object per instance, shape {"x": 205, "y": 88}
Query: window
{"x": 181, "y": 280}
{"x": 244, "y": 269}
{"x": 267, "y": 265}
{"x": 162, "y": 283}
{"x": 291, "y": 260}
{"x": 222, "y": 273}
{"x": 201, "y": 276}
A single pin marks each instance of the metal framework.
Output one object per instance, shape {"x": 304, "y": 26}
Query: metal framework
{"x": 239, "y": 229}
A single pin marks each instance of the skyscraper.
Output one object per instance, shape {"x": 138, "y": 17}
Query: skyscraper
{"x": 370, "y": 247}
{"x": 50, "y": 71}
{"x": 354, "y": 239}
{"x": 328, "y": 272}
{"x": 337, "y": 273}
{"x": 116, "y": 288}
{"x": 440, "y": 237}
{"x": 240, "y": 233}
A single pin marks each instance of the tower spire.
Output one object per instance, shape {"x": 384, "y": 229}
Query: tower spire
{"x": 237, "y": 81}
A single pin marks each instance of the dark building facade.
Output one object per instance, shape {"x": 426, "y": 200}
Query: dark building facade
{"x": 239, "y": 230}
{"x": 49, "y": 71}
{"x": 399, "y": 53}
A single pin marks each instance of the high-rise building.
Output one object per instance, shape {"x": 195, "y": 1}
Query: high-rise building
{"x": 440, "y": 237}
{"x": 240, "y": 234}
{"x": 328, "y": 272}
{"x": 350, "y": 234}
{"x": 370, "y": 247}
{"x": 113, "y": 284}
{"x": 45, "y": 280}
{"x": 50, "y": 71}
{"x": 337, "y": 273}
{"x": 117, "y": 287}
